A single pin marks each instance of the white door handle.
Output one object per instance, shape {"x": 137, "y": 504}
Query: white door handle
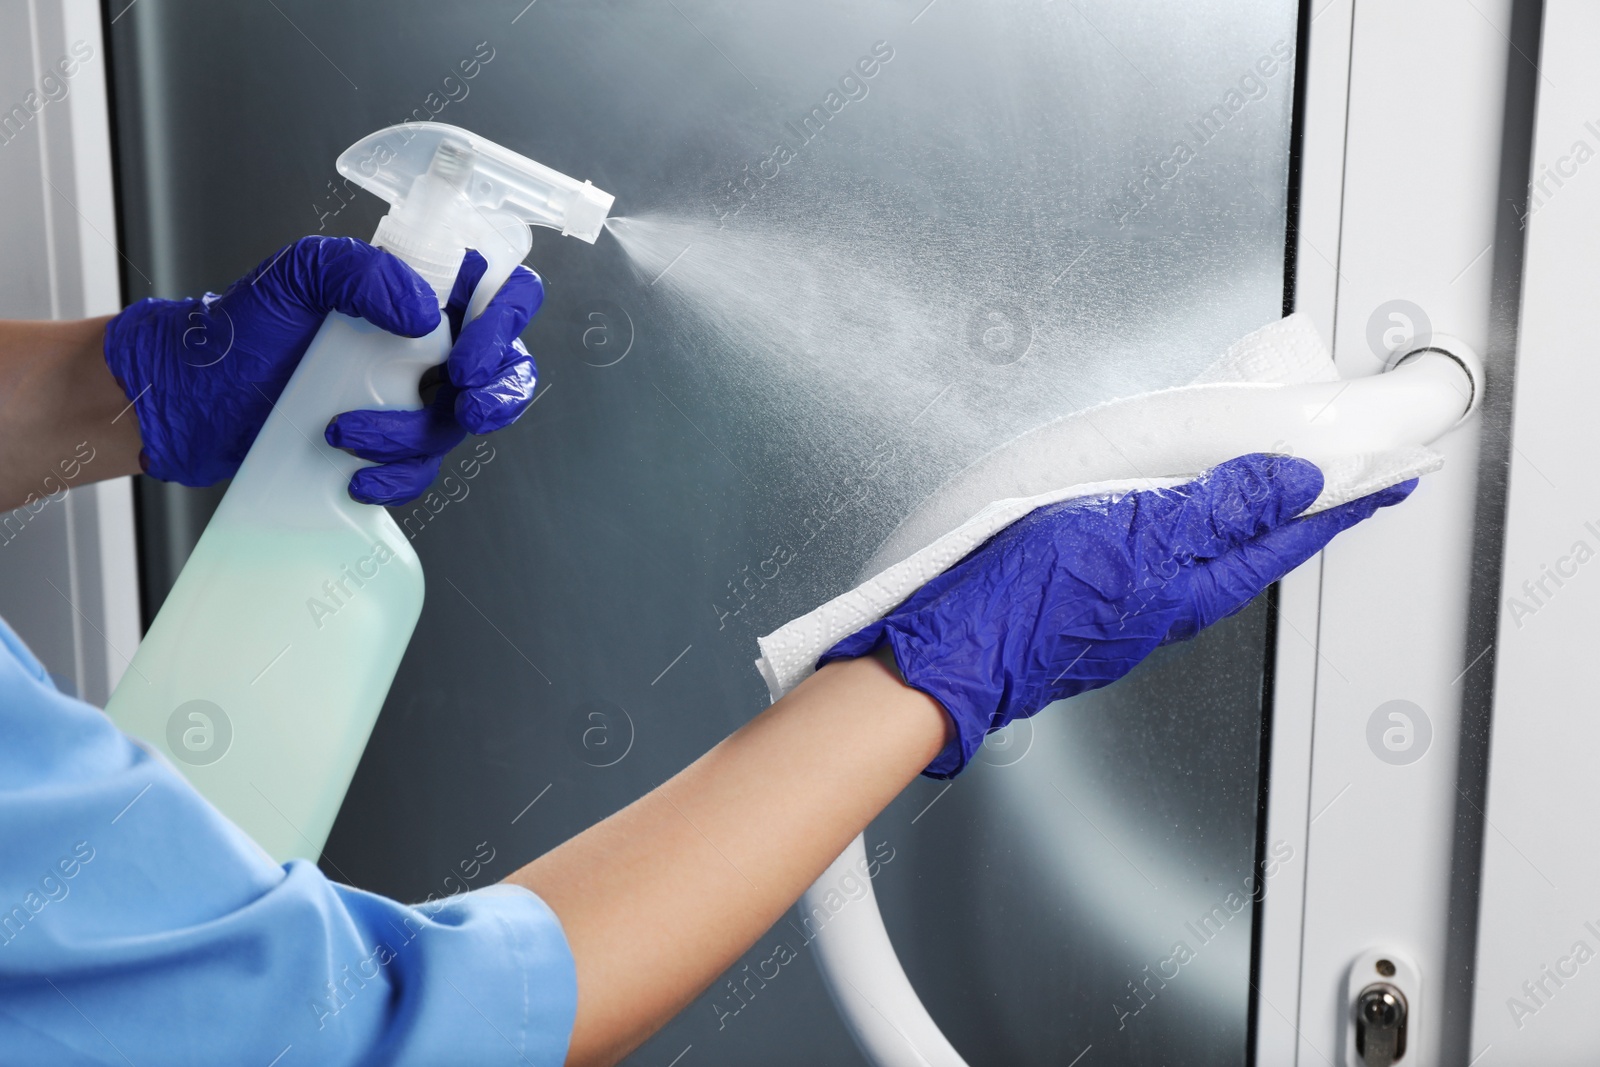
{"x": 863, "y": 973}
{"x": 1180, "y": 432}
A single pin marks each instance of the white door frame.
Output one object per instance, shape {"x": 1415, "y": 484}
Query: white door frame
{"x": 1536, "y": 991}
{"x": 1400, "y": 200}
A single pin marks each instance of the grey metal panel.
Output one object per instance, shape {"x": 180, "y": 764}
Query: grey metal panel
{"x": 36, "y": 588}
{"x": 1007, "y": 188}
{"x": 52, "y": 589}
{"x": 24, "y": 274}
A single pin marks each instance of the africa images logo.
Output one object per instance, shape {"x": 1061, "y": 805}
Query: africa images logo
{"x": 1399, "y": 732}
{"x": 199, "y": 733}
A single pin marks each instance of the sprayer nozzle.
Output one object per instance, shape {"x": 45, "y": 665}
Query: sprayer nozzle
{"x": 586, "y": 214}
{"x": 450, "y": 189}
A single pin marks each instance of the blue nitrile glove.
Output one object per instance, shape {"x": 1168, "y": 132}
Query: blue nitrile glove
{"x": 204, "y": 373}
{"x": 487, "y": 382}
{"x": 1072, "y": 596}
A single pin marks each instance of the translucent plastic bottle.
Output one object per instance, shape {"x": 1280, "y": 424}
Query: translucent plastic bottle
{"x": 263, "y": 673}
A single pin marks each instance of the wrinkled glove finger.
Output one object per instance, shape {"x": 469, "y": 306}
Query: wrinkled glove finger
{"x": 484, "y": 352}
{"x": 1223, "y": 586}
{"x": 1232, "y": 503}
{"x": 395, "y": 483}
{"x": 473, "y": 267}
{"x": 352, "y": 277}
{"x": 494, "y": 406}
{"x": 388, "y": 436}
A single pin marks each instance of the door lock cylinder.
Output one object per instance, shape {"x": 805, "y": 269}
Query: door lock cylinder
{"x": 1382, "y": 991}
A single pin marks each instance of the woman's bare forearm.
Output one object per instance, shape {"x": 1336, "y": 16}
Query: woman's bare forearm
{"x": 665, "y": 895}
{"x": 63, "y": 419}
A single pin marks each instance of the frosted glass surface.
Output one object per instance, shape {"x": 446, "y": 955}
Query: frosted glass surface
{"x": 868, "y": 240}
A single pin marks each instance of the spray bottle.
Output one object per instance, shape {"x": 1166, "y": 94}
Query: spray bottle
{"x": 263, "y": 673}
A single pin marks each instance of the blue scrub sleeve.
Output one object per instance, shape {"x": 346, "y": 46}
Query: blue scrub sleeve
{"x": 139, "y": 926}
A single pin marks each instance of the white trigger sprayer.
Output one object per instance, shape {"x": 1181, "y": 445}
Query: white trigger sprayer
{"x": 264, "y": 672}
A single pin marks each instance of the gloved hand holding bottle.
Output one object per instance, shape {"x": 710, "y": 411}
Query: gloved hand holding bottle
{"x": 202, "y": 373}
{"x": 1071, "y": 597}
